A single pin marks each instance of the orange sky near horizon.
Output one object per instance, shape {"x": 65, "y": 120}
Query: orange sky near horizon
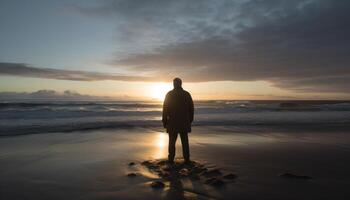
{"x": 122, "y": 90}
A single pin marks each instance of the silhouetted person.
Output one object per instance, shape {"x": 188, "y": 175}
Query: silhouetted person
{"x": 177, "y": 118}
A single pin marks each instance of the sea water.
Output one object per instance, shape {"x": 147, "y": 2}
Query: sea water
{"x": 46, "y": 116}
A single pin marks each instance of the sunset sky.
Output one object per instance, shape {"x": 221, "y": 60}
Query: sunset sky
{"x": 222, "y": 49}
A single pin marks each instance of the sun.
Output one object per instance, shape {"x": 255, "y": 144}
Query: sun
{"x": 159, "y": 91}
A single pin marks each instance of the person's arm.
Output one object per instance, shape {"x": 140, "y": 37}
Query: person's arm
{"x": 165, "y": 111}
{"x": 191, "y": 108}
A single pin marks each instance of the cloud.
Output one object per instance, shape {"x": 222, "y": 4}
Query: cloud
{"x": 49, "y": 94}
{"x": 299, "y": 45}
{"x": 20, "y": 69}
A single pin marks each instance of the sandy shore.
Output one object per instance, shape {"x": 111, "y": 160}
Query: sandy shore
{"x": 94, "y": 164}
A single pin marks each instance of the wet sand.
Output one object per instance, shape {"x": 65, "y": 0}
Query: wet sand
{"x": 94, "y": 164}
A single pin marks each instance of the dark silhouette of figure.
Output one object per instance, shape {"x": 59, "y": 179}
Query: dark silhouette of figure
{"x": 177, "y": 117}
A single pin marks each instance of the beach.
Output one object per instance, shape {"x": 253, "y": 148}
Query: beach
{"x": 97, "y": 97}
{"x": 93, "y": 164}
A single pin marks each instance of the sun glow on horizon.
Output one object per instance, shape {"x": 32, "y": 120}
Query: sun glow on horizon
{"x": 159, "y": 90}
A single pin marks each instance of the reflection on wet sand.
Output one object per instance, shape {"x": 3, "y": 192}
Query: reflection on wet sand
{"x": 160, "y": 142}
{"x": 178, "y": 187}
{"x": 94, "y": 164}
{"x": 156, "y": 142}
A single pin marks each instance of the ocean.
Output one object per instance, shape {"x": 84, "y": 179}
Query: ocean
{"x": 29, "y": 117}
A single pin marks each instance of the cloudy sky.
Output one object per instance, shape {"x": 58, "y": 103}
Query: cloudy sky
{"x": 222, "y": 49}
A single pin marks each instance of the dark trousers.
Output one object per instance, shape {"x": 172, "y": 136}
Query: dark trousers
{"x": 185, "y": 146}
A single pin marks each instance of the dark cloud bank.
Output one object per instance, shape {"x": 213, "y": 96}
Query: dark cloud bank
{"x": 301, "y": 45}
{"x": 49, "y": 95}
{"x": 20, "y": 69}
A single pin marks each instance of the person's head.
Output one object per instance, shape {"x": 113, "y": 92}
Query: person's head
{"x": 177, "y": 82}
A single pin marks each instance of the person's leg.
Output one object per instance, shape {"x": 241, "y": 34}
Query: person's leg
{"x": 171, "y": 147}
{"x": 185, "y": 146}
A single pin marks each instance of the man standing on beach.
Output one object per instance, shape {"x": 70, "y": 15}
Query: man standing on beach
{"x": 177, "y": 117}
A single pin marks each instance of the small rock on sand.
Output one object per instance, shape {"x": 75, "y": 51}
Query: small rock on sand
{"x": 212, "y": 172}
{"x": 214, "y": 182}
{"x": 294, "y": 176}
{"x": 157, "y": 184}
{"x": 146, "y": 163}
{"x": 131, "y": 174}
{"x": 230, "y": 176}
{"x": 209, "y": 180}
{"x": 166, "y": 168}
{"x": 179, "y": 169}
{"x": 183, "y": 172}
{"x": 162, "y": 162}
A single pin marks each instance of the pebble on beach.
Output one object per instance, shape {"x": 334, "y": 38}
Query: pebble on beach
{"x": 157, "y": 184}
{"x": 230, "y": 176}
{"x": 214, "y": 181}
{"x": 183, "y": 172}
{"x": 179, "y": 170}
{"x": 212, "y": 172}
{"x": 294, "y": 176}
{"x": 131, "y": 174}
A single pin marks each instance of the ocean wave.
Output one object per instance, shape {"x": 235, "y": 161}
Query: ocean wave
{"x": 42, "y": 117}
{"x": 201, "y": 106}
{"x": 70, "y": 127}
{"x": 296, "y": 119}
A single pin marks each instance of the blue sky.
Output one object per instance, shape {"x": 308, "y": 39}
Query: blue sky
{"x": 51, "y": 34}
